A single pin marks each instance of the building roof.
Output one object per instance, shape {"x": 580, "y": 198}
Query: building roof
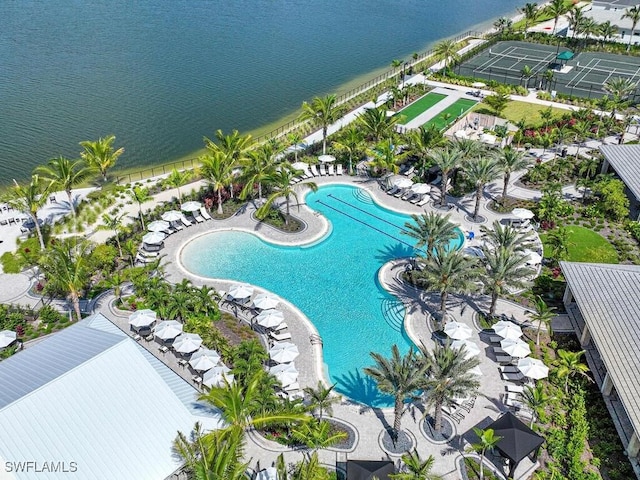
{"x": 91, "y": 395}
{"x": 369, "y": 469}
{"x": 625, "y": 160}
{"x": 608, "y": 297}
{"x": 516, "y": 439}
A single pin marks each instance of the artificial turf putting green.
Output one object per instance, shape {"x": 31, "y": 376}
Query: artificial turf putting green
{"x": 420, "y": 106}
{"x": 585, "y": 245}
{"x": 455, "y": 110}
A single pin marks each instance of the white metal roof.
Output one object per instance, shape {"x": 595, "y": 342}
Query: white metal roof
{"x": 115, "y": 413}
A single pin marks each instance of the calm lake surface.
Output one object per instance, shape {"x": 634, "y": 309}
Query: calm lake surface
{"x": 161, "y": 75}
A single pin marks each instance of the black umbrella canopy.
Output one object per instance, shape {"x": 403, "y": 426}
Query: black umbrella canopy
{"x": 368, "y": 469}
{"x": 517, "y": 440}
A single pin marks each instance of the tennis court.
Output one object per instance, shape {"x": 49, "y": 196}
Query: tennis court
{"x": 583, "y": 75}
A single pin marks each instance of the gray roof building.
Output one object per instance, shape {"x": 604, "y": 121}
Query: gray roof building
{"x": 625, "y": 160}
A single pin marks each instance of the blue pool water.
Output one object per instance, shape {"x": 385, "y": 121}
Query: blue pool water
{"x": 333, "y": 281}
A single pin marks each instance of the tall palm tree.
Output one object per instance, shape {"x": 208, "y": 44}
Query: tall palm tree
{"x": 448, "y": 377}
{"x": 316, "y": 434}
{"x": 568, "y": 365}
{"x": 66, "y": 267}
{"x": 448, "y": 271}
{"x": 487, "y": 440}
{"x": 100, "y": 154}
{"x": 234, "y": 145}
{"x": 258, "y": 165}
{"x": 350, "y": 142}
{"x": 321, "y": 398}
{"x": 422, "y": 141}
{"x": 322, "y": 112}
{"x": 384, "y": 157}
{"x": 280, "y": 181}
{"x": 506, "y": 237}
{"x": 481, "y": 171}
{"x": 559, "y": 243}
{"x": 607, "y": 30}
{"x": 30, "y": 198}
{"x": 555, "y": 9}
{"x": 65, "y": 174}
{"x": 503, "y": 271}
{"x": 430, "y": 230}
{"x": 530, "y": 12}
{"x": 543, "y": 314}
{"x": 295, "y": 139}
{"x": 526, "y": 73}
{"x": 376, "y": 125}
{"x": 632, "y": 14}
{"x": 576, "y": 19}
{"x": 448, "y": 159}
{"x": 415, "y": 468}
{"x": 446, "y": 51}
{"x": 140, "y": 195}
{"x": 510, "y": 160}
{"x": 503, "y": 24}
{"x": 216, "y": 168}
{"x": 620, "y": 89}
{"x": 536, "y": 399}
{"x": 177, "y": 179}
{"x": 400, "y": 376}
{"x": 468, "y": 147}
{"x": 113, "y": 222}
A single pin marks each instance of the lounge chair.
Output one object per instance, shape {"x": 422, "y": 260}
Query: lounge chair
{"x": 204, "y": 213}
{"x": 331, "y": 170}
{"x": 408, "y": 195}
{"x": 322, "y": 169}
{"x": 339, "y": 169}
{"x": 186, "y": 222}
{"x": 499, "y": 351}
{"x": 409, "y": 172}
{"x": 279, "y": 337}
{"x": 515, "y": 388}
{"x": 314, "y": 170}
{"x": 495, "y": 338}
{"x": 281, "y": 327}
{"x": 506, "y": 359}
{"x": 400, "y": 192}
{"x": 197, "y": 217}
{"x": 509, "y": 369}
{"x": 143, "y": 260}
{"x": 512, "y": 377}
{"x": 177, "y": 226}
{"x": 416, "y": 198}
{"x": 148, "y": 254}
{"x": 424, "y": 201}
{"x": 393, "y": 190}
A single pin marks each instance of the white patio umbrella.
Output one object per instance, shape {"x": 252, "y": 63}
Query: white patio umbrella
{"x": 168, "y": 329}
{"x": 239, "y": 291}
{"x": 420, "y": 188}
{"x": 515, "y": 347}
{"x": 142, "y": 318}
{"x": 269, "y": 473}
{"x": 402, "y": 182}
{"x": 284, "y": 352}
{"x": 300, "y": 165}
{"x": 457, "y": 330}
{"x": 204, "y": 359}
{"x": 270, "y": 318}
{"x": 285, "y": 373}
{"x": 212, "y": 378}
{"x": 171, "y": 216}
{"x": 533, "y": 368}
{"x": 265, "y": 301}
{"x": 476, "y": 371}
{"x": 191, "y": 206}
{"x": 470, "y": 347}
{"x": 326, "y": 158}
{"x": 478, "y": 84}
{"x": 534, "y": 258}
{"x": 522, "y": 213}
{"x": 153, "y": 238}
{"x": 187, "y": 342}
{"x": 158, "y": 226}
{"x": 7, "y": 337}
{"x": 506, "y": 329}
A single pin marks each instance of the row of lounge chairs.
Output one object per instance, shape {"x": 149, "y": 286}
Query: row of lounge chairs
{"x": 410, "y": 196}
{"x": 320, "y": 170}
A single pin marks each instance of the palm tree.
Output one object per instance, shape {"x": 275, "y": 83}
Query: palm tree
{"x": 65, "y": 174}
{"x": 448, "y": 159}
{"x": 504, "y": 271}
{"x": 322, "y": 112}
{"x": 568, "y": 365}
{"x": 448, "y": 377}
{"x": 415, "y": 468}
{"x": 526, "y": 73}
{"x": 216, "y": 168}
{"x": 140, "y": 195}
{"x": 234, "y": 146}
{"x": 100, "y": 154}
{"x": 400, "y": 376}
{"x": 376, "y": 125}
{"x": 259, "y": 164}
{"x": 448, "y": 271}
{"x": 280, "y": 180}
{"x": 295, "y": 139}
{"x": 66, "y": 267}
{"x": 29, "y": 199}
{"x": 321, "y": 398}
{"x": 542, "y": 315}
{"x": 576, "y": 19}
{"x": 446, "y": 51}
{"x": 530, "y": 12}
{"x": 536, "y": 400}
{"x": 481, "y": 171}
{"x": 350, "y": 142}
{"x": 506, "y": 237}
{"x": 548, "y": 79}
{"x": 487, "y": 441}
{"x": 620, "y": 89}
{"x": 502, "y": 24}
{"x": 607, "y": 30}
{"x": 177, "y": 179}
{"x": 430, "y": 230}
{"x": 558, "y": 242}
{"x": 317, "y": 434}
{"x": 510, "y": 160}
{"x": 632, "y": 14}
{"x": 113, "y": 223}
{"x": 422, "y": 141}
{"x": 498, "y": 100}
{"x": 384, "y": 157}
{"x": 555, "y": 9}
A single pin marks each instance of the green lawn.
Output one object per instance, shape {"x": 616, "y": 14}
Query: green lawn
{"x": 530, "y": 112}
{"x": 419, "y": 106}
{"x": 586, "y": 246}
{"x": 455, "y": 110}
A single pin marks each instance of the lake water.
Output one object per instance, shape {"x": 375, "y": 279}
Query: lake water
{"x": 161, "y": 75}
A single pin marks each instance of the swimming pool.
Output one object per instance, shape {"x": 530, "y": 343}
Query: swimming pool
{"x": 333, "y": 281}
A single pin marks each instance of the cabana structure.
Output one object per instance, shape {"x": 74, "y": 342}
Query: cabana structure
{"x": 369, "y": 469}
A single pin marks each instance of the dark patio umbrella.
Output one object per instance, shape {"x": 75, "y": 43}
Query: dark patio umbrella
{"x": 516, "y": 439}
{"x": 368, "y": 469}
